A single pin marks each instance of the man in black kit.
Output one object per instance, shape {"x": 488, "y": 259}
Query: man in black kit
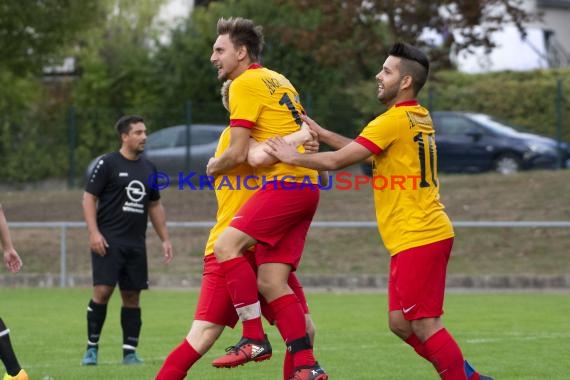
{"x": 116, "y": 205}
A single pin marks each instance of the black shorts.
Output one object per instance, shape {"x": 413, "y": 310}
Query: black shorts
{"x": 124, "y": 265}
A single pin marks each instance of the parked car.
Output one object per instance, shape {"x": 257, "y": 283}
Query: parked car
{"x": 474, "y": 142}
{"x": 166, "y": 148}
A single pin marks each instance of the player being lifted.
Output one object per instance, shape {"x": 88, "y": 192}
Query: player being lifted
{"x": 214, "y": 309}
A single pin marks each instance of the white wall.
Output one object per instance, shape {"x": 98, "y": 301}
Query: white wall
{"x": 558, "y": 20}
{"x": 516, "y": 53}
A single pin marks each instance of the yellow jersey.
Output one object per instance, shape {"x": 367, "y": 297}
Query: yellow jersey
{"x": 267, "y": 103}
{"x": 232, "y": 190}
{"x": 406, "y": 188}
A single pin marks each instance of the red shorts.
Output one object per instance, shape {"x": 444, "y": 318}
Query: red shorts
{"x": 215, "y": 304}
{"x": 417, "y": 280}
{"x": 278, "y": 217}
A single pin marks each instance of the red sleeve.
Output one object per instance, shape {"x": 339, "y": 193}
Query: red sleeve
{"x": 242, "y": 123}
{"x": 373, "y": 148}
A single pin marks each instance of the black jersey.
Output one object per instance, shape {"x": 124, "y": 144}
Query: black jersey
{"x": 121, "y": 186}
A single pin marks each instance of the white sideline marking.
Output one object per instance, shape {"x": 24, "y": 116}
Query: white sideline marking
{"x": 519, "y": 336}
{"x": 119, "y": 362}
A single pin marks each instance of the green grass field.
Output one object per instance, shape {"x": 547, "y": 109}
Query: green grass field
{"x": 527, "y": 196}
{"x": 522, "y": 336}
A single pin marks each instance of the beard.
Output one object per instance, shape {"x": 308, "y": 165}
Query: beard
{"x": 222, "y": 76}
{"x": 387, "y": 95}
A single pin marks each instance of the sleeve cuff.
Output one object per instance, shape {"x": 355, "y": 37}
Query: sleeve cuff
{"x": 242, "y": 123}
{"x": 372, "y": 147}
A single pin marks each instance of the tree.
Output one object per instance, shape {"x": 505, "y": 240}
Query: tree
{"x": 187, "y": 74}
{"x": 357, "y": 30}
{"x": 352, "y": 37}
{"x": 115, "y": 62}
{"x": 328, "y": 49}
{"x": 32, "y": 32}
{"x": 35, "y": 34}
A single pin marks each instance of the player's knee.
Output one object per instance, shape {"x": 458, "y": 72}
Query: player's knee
{"x": 203, "y": 335}
{"x": 102, "y": 295}
{"x": 400, "y": 328}
{"x": 395, "y": 329}
{"x": 426, "y": 327}
{"x": 265, "y": 286}
{"x": 224, "y": 251}
{"x": 131, "y": 298}
{"x": 101, "y": 299}
{"x": 270, "y": 287}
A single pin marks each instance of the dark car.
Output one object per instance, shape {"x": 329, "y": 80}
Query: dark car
{"x": 474, "y": 142}
{"x": 167, "y": 149}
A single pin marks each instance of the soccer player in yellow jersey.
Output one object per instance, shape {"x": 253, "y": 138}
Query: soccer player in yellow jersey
{"x": 412, "y": 222}
{"x": 263, "y": 104}
{"x": 215, "y": 309}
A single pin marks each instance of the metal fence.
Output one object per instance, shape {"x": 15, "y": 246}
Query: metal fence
{"x": 65, "y": 225}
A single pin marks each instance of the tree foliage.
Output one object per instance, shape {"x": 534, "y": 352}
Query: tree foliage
{"x": 32, "y": 32}
{"x": 361, "y": 31}
{"x": 127, "y": 63}
{"x": 186, "y": 72}
{"x": 116, "y": 74}
{"x": 35, "y": 34}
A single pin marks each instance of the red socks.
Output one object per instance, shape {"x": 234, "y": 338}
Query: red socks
{"x": 292, "y": 325}
{"x": 445, "y": 355}
{"x": 288, "y": 365}
{"x": 242, "y": 285}
{"x": 417, "y": 345}
{"x": 178, "y": 363}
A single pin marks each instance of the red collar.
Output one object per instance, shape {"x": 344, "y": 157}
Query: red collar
{"x": 255, "y": 66}
{"x": 412, "y": 102}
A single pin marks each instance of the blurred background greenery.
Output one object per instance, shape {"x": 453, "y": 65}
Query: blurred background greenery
{"x": 69, "y": 69}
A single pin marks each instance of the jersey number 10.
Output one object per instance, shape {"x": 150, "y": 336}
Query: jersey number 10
{"x": 421, "y": 139}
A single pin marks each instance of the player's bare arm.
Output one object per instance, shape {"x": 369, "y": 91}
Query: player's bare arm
{"x": 332, "y": 139}
{"x": 258, "y": 157}
{"x": 157, "y": 217}
{"x": 97, "y": 241}
{"x": 11, "y": 258}
{"x": 235, "y": 154}
{"x": 313, "y": 146}
{"x": 350, "y": 154}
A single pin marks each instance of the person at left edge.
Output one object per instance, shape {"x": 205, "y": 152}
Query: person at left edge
{"x": 117, "y": 203}
{"x": 13, "y": 262}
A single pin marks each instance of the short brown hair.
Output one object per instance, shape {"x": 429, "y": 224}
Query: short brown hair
{"x": 123, "y": 125}
{"x": 243, "y": 32}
